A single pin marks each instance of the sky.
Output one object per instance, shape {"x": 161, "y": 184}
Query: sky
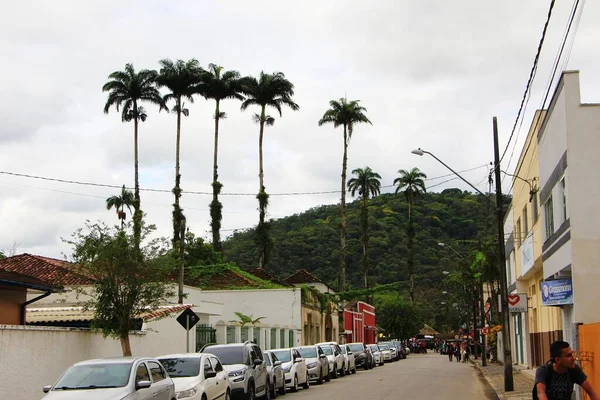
{"x": 430, "y": 74}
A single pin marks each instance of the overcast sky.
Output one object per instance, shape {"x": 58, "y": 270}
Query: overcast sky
{"x": 431, "y": 74}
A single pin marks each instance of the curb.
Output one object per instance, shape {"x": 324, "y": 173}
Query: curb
{"x": 488, "y": 385}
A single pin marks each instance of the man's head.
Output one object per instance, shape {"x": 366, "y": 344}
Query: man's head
{"x": 562, "y": 354}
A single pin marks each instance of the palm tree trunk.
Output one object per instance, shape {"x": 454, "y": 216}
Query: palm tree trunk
{"x": 215, "y": 206}
{"x": 364, "y": 216}
{"x": 137, "y": 213}
{"x": 121, "y": 217}
{"x": 176, "y": 189}
{"x": 410, "y": 261}
{"x": 261, "y": 194}
{"x": 342, "y": 279}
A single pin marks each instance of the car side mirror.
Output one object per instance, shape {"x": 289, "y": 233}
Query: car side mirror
{"x": 258, "y": 362}
{"x": 299, "y": 359}
{"x": 277, "y": 363}
{"x": 47, "y": 388}
{"x": 210, "y": 374}
{"x": 322, "y": 356}
{"x": 350, "y": 353}
{"x": 143, "y": 385}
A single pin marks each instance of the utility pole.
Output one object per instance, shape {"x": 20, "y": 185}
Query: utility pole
{"x": 508, "y": 368}
{"x": 482, "y": 316}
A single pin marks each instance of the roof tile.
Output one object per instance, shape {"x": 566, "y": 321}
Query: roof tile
{"x": 49, "y": 270}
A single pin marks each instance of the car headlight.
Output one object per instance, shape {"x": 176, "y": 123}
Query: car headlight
{"x": 287, "y": 369}
{"x": 187, "y": 393}
{"x": 239, "y": 372}
{"x": 311, "y": 365}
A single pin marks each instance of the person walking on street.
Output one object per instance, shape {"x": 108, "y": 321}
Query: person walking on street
{"x": 457, "y": 353}
{"x": 450, "y": 351}
{"x": 554, "y": 381}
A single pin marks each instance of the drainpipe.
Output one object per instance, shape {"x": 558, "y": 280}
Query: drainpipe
{"x": 24, "y": 305}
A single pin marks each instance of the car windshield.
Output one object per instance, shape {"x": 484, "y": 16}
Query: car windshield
{"x": 374, "y": 347}
{"x": 181, "y": 367}
{"x": 308, "y": 352}
{"x": 228, "y": 355}
{"x": 94, "y": 376}
{"x": 343, "y": 349}
{"x": 327, "y": 350}
{"x": 283, "y": 355}
{"x": 356, "y": 347}
{"x": 383, "y": 346}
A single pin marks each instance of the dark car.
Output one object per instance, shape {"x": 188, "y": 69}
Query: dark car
{"x": 362, "y": 356}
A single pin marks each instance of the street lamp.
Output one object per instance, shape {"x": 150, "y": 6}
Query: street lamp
{"x": 508, "y": 369}
{"x": 452, "y": 248}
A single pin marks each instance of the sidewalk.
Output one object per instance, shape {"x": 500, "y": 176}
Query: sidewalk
{"x": 494, "y": 375}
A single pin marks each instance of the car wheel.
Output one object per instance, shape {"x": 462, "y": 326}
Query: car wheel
{"x": 328, "y": 375}
{"x": 306, "y": 385}
{"x": 267, "y": 395}
{"x": 274, "y": 389}
{"x": 282, "y": 388}
{"x": 320, "y": 378}
{"x": 251, "y": 395}
{"x": 354, "y": 370}
{"x": 334, "y": 374}
{"x": 228, "y": 395}
{"x": 295, "y": 387}
{"x": 343, "y": 371}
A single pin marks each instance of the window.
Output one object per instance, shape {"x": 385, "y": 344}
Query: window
{"x": 245, "y": 331}
{"x": 525, "y": 225}
{"x": 534, "y": 207}
{"x": 156, "y": 371}
{"x": 141, "y": 373}
{"x": 273, "y": 338}
{"x": 563, "y": 189}
{"x": 518, "y": 235}
{"x": 216, "y": 364}
{"x": 207, "y": 366}
{"x": 291, "y": 338}
{"x": 231, "y": 334}
{"x": 549, "y": 217}
{"x": 282, "y": 338}
{"x": 181, "y": 367}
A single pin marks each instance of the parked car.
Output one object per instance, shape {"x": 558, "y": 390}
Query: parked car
{"x": 392, "y": 350}
{"x": 245, "y": 366}
{"x": 349, "y": 360}
{"x": 113, "y": 378}
{"x": 400, "y": 354}
{"x": 294, "y": 368}
{"x": 275, "y": 374}
{"x": 362, "y": 355}
{"x": 386, "y": 354}
{"x": 377, "y": 355}
{"x": 334, "y": 356}
{"x": 316, "y": 362}
{"x": 197, "y": 376}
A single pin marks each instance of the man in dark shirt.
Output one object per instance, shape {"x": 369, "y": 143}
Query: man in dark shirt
{"x": 564, "y": 374}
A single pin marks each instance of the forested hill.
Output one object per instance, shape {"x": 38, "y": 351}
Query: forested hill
{"x": 310, "y": 240}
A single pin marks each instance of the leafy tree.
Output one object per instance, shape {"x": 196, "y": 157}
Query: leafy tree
{"x": 412, "y": 183}
{"x": 127, "y": 89}
{"x": 399, "y": 318}
{"x": 219, "y": 85}
{"x": 128, "y": 283}
{"x": 269, "y": 90}
{"x": 119, "y": 202}
{"x": 199, "y": 253}
{"x": 183, "y": 79}
{"x": 2, "y": 255}
{"x": 347, "y": 114}
{"x": 367, "y": 183}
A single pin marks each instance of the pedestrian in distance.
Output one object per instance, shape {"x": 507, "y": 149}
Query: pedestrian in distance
{"x": 457, "y": 353}
{"x": 555, "y": 380}
{"x": 450, "y": 351}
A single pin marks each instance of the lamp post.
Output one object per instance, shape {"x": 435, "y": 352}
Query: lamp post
{"x": 508, "y": 370}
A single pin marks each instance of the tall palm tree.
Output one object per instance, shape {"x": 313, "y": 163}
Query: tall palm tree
{"x": 184, "y": 80}
{"x": 347, "y": 114}
{"x": 269, "y": 90}
{"x": 219, "y": 85}
{"x": 412, "y": 183}
{"x": 119, "y": 202}
{"x": 367, "y": 183}
{"x": 127, "y": 89}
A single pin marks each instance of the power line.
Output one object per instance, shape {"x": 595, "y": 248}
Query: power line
{"x": 531, "y": 77}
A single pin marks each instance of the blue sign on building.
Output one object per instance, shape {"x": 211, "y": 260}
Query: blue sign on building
{"x": 557, "y": 292}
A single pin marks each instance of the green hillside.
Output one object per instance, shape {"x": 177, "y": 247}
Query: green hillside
{"x": 310, "y": 240}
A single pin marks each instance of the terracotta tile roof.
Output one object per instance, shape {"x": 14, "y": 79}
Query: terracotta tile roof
{"x": 262, "y": 274}
{"x": 223, "y": 280}
{"x": 302, "y": 276}
{"x": 49, "y": 270}
{"x": 17, "y": 279}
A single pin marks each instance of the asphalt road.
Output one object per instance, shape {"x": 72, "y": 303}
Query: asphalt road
{"x": 419, "y": 377}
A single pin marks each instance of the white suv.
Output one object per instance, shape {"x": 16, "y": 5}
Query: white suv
{"x": 246, "y": 368}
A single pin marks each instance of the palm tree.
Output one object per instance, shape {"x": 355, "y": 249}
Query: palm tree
{"x": 367, "y": 183}
{"x": 269, "y": 90}
{"x": 128, "y": 89}
{"x": 125, "y": 199}
{"x": 413, "y": 184}
{"x": 183, "y": 79}
{"x": 344, "y": 113}
{"x": 219, "y": 85}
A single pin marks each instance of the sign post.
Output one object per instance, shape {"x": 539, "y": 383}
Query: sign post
{"x": 187, "y": 319}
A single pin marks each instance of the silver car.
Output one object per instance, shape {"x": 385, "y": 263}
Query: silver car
{"x": 113, "y": 378}
{"x": 349, "y": 360}
{"x": 316, "y": 362}
{"x": 275, "y": 373}
{"x": 336, "y": 360}
{"x": 377, "y": 356}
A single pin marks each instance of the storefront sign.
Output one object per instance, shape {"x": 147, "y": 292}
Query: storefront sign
{"x": 557, "y": 292}
{"x": 517, "y": 302}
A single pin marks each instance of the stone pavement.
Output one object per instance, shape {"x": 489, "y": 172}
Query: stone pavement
{"x": 494, "y": 375}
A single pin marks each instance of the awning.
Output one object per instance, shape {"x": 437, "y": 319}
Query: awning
{"x": 77, "y": 313}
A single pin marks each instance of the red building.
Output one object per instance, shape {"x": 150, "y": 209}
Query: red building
{"x": 359, "y": 323}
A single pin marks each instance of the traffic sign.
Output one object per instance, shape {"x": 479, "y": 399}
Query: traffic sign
{"x": 188, "y": 319}
{"x": 485, "y": 330}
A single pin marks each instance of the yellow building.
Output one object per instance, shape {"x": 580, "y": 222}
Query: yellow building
{"x": 534, "y": 330}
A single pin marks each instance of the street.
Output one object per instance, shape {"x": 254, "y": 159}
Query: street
{"x": 420, "y": 376}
